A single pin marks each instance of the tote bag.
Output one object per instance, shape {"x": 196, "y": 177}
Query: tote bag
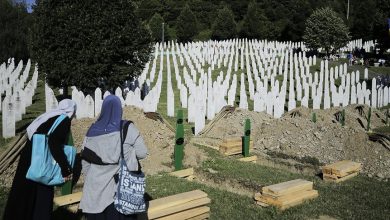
{"x": 44, "y": 169}
{"x": 129, "y": 198}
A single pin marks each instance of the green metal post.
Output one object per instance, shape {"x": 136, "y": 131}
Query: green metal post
{"x": 246, "y": 138}
{"x": 369, "y": 119}
{"x": 387, "y": 117}
{"x": 179, "y": 144}
{"x": 343, "y": 118}
{"x": 314, "y": 117}
{"x": 66, "y": 188}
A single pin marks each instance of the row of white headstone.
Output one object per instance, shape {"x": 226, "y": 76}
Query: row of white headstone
{"x": 15, "y": 103}
{"x": 275, "y": 76}
{"x": 90, "y": 107}
{"x": 368, "y": 46}
{"x": 11, "y": 77}
{"x": 294, "y": 68}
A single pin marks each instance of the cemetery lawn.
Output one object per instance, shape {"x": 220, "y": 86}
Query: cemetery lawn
{"x": 358, "y": 198}
{"x": 372, "y": 71}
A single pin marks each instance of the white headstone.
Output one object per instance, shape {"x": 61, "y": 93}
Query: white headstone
{"x": 8, "y": 118}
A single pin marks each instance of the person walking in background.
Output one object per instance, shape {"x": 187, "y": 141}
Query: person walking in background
{"x": 28, "y": 199}
{"x": 101, "y": 154}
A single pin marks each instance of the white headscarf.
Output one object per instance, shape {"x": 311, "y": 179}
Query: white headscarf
{"x": 66, "y": 106}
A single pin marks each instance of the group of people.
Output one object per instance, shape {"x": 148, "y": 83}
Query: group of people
{"x": 31, "y": 200}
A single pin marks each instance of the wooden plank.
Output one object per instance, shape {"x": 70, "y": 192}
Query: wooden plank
{"x": 233, "y": 145}
{"x": 332, "y": 179}
{"x": 68, "y": 199}
{"x": 346, "y": 169}
{"x": 232, "y": 139}
{"x": 178, "y": 208}
{"x": 262, "y": 204}
{"x": 174, "y": 200}
{"x": 287, "y": 200}
{"x": 201, "y": 217}
{"x": 187, "y": 214}
{"x": 233, "y": 151}
{"x": 248, "y": 159}
{"x": 183, "y": 173}
{"x": 299, "y": 200}
{"x": 341, "y": 168}
{"x": 288, "y": 187}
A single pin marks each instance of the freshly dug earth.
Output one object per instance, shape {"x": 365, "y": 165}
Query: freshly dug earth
{"x": 295, "y": 135}
{"x": 158, "y": 138}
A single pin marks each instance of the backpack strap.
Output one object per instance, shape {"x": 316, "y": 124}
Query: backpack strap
{"x": 124, "y": 128}
{"x": 56, "y": 123}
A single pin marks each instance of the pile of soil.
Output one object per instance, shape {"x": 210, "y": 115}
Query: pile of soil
{"x": 158, "y": 138}
{"x": 295, "y": 135}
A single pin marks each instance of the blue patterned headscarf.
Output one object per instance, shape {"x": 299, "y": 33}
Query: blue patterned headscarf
{"x": 109, "y": 119}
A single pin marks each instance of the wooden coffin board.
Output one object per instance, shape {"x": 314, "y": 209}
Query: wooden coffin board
{"x": 232, "y": 139}
{"x": 68, "y": 199}
{"x": 188, "y": 214}
{"x": 175, "y": 200}
{"x": 201, "y": 217}
{"x": 287, "y": 201}
{"x": 233, "y": 151}
{"x": 296, "y": 201}
{"x": 178, "y": 208}
{"x": 183, "y": 173}
{"x": 248, "y": 159}
{"x": 229, "y": 145}
{"x": 288, "y": 187}
{"x": 335, "y": 179}
{"x": 342, "y": 168}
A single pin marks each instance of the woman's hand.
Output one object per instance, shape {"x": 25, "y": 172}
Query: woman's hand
{"x": 69, "y": 177}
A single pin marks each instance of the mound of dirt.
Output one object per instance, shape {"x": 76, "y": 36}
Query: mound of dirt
{"x": 297, "y": 136}
{"x": 158, "y": 137}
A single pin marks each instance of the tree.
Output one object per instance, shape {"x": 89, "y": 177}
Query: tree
{"x": 224, "y": 26}
{"x": 14, "y": 28}
{"x": 187, "y": 25}
{"x": 155, "y": 25}
{"x": 89, "y": 43}
{"x": 147, "y": 8}
{"x": 255, "y": 24}
{"x": 325, "y": 29}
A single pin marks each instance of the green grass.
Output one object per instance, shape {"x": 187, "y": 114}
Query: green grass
{"x": 358, "y": 198}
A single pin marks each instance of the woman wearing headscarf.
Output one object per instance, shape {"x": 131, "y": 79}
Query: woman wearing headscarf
{"x": 28, "y": 199}
{"x": 104, "y": 143}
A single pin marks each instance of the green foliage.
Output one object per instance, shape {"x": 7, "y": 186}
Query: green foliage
{"x": 155, "y": 25}
{"x": 187, "y": 25}
{"x": 89, "y": 43}
{"x": 225, "y": 26}
{"x": 314, "y": 117}
{"x": 204, "y": 35}
{"x": 325, "y": 29}
{"x": 14, "y": 28}
{"x": 368, "y": 119}
{"x": 343, "y": 117}
{"x": 148, "y": 8}
{"x": 255, "y": 24}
